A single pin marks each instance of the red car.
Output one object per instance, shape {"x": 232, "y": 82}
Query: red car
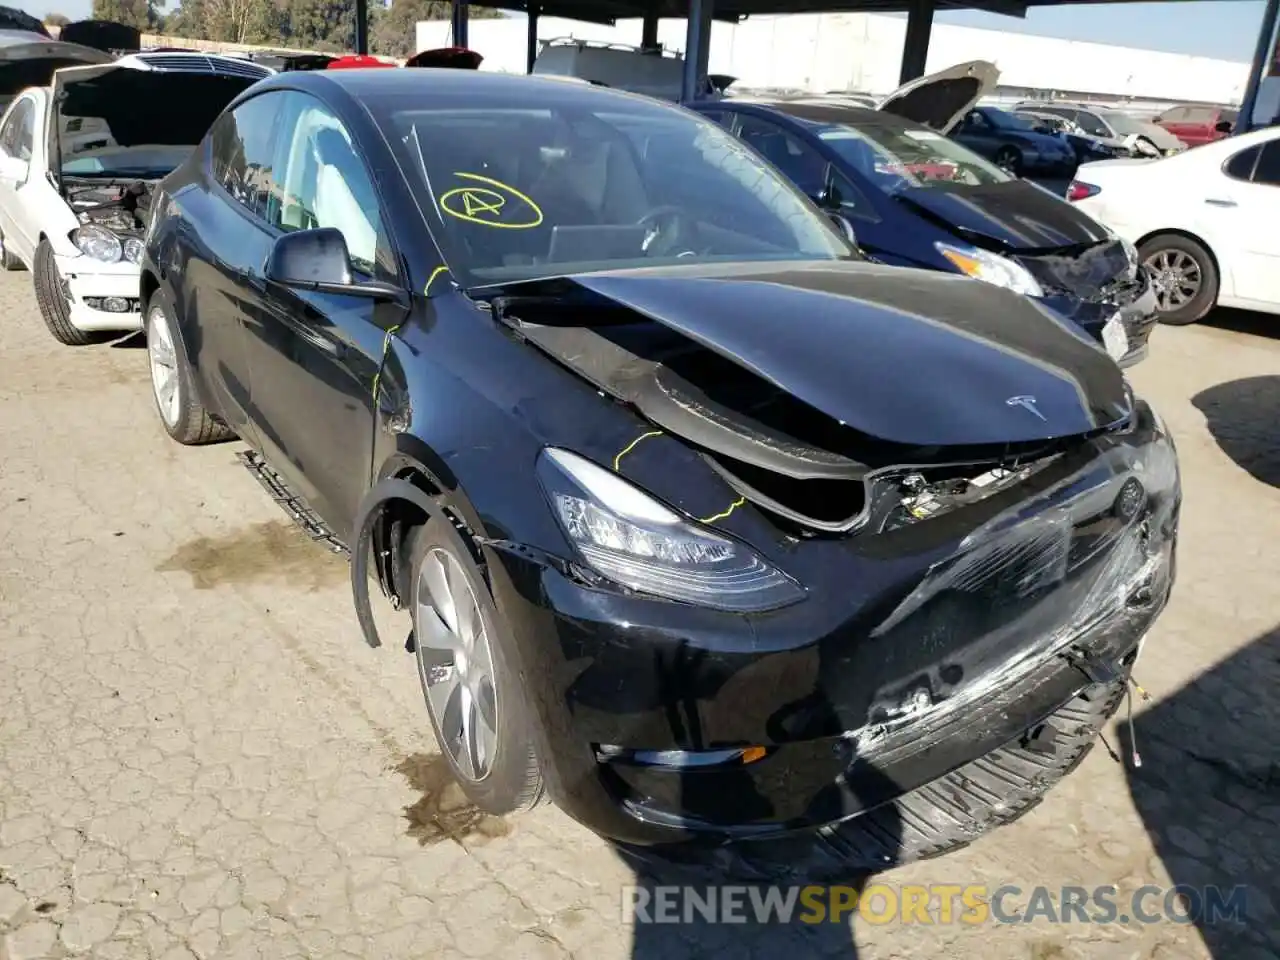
{"x": 1195, "y": 125}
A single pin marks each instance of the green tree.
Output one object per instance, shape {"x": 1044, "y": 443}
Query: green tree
{"x": 142, "y": 14}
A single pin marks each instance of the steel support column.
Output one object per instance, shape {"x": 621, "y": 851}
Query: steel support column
{"x": 697, "y": 48}
{"x": 362, "y": 26}
{"x": 649, "y": 31}
{"x": 460, "y": 11}
{"x": 531, "y": 50}
{"x": 915, "y": 47}
{"x": 1264, "y": 62}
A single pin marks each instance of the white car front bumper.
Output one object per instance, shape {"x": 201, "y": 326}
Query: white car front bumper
{"x": 101, "y": 296}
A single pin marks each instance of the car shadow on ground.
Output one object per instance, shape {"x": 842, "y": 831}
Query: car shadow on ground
{"x": 1208, "y": 792}
{"x": 131, "y": 341}
{"x": 1244, "y": 321}
{"x": 1244, "y": 418}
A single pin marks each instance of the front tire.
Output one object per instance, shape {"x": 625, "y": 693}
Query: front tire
{"x": 471, "y": 691}
{"x": 1184, "y": 276}
{"x": 182, "y": 414}
{"x": 55, "y": 308}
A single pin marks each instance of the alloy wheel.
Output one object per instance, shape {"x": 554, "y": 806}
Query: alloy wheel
{"x": 456, "y": 664}
{"x": 1176, "y": 276}
{"x": 164, "y": 366}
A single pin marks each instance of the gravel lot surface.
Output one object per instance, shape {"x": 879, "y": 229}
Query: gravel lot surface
{"x": 199, "y": 757}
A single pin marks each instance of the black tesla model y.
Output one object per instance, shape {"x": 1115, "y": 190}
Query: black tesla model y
{"x": 709, "y": 529}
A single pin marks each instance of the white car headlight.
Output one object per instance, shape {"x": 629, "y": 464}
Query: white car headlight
{"x": 133, "y": 250}
{"x": 98, "y": 242}
{"x": 627, "y": 536}
{"x": 991, "y": 267}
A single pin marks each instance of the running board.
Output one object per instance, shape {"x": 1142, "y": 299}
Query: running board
{"x": 291, "y": 503}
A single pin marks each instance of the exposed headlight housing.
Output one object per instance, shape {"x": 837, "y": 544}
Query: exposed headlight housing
{"x": 98, "y": 242}
{"x": 992, "y": 268}
{"x": 132, "y": 250}
{"x": 630, "y": 538}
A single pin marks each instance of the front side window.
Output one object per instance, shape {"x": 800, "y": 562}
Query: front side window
{"x": 1007, "y": 121}
{"x": 17, "y": 135}
{"x": 241, "y": 149}
{"x": 1092, "y": 124}
{"x": 802, "y": 164}
{"x": 580, "y": 183}
{"x": 895, "y": 155}
{"x": 321, "y": 181}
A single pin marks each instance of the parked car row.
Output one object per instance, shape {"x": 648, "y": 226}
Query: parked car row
{"x": 1203, "y": 221}
{"x": 707, "y": 525}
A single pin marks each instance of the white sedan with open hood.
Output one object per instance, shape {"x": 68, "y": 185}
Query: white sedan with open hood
{"x": 78, "y": 162}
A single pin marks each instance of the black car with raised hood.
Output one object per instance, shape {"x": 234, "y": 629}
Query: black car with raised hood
{"x": 706, "y": 525}
{"x": 916, "y": 197}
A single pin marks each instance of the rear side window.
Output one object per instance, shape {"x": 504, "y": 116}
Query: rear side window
{"x": 1092, "y": 124}
{"x": 1176, "y": 115}
{"x": 243, "y": 142}
{"x": 1268, "y": 169}
{"x": 1240, "y": 166}
{"x": 16, "y": 137}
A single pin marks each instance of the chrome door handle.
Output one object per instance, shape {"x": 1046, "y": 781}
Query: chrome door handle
{"x": 1215, "y": 202}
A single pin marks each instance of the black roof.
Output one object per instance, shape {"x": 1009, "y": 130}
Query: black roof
{"x": 513, "y": 90}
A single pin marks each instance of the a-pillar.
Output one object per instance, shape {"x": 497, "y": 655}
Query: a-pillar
{"x": 915, "y": 46}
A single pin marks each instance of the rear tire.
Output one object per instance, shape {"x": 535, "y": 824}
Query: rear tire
{"x": 7, "y": 260}
{"x": 1185, "y": 277}
{"x": 1009, "y": 158}
{"x": 182, "y": 414}
{"x": 505, "y": 777}
{"x": 54, "y": 306}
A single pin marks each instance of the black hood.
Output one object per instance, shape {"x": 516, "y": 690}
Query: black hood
{"x": 162, "y": 107}
{"x": 905, "y": 357}
{"x": 1015, "y": 215}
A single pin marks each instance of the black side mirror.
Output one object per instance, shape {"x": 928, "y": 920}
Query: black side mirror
{"x": 318, "y": 260}
{"x": 1224, "y": 126}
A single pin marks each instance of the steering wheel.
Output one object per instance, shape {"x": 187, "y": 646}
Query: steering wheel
{"x": 668, "y": 229}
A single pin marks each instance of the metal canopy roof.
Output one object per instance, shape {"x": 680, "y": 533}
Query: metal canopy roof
{"x": 610, "y": 11}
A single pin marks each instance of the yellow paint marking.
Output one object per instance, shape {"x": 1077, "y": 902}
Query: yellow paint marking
{"x": 720, "y": 516}
{"x": 485, "y": 205}
{"x": 617, "y": 461}
{"x": 426, "y": 291}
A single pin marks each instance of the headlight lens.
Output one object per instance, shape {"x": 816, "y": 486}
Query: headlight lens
{"x": 991, "y": 267}
{"x": 97, "y": 242}
{"x": 631, "y": 538}
{"x": 133, "y": 250}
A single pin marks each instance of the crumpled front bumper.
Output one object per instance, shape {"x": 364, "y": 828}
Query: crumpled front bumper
{"x": 1133, "y": 305}
{"x": 91, "y": 287}
{"x": 917, "y": 651}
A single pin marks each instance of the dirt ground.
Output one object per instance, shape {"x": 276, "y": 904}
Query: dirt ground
{"x": 199, "y": 757}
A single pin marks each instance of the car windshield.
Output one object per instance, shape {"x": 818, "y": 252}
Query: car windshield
{"x": 576, "y": 184}
{"x": 1007, "y": 121}
{"x": 897, "y": 156}
{"x": 1123, "y": 124}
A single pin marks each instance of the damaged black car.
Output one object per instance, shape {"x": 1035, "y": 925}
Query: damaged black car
{"x": 709, "y": 529}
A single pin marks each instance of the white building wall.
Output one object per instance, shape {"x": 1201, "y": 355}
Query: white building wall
{"x": 862, "y": 51}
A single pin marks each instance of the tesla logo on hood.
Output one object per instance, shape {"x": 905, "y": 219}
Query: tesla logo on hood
{"x": 1028, "y": 404}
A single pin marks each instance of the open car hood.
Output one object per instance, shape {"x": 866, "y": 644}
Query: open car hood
{"x": 824, "y": 369}
{"x": 105, "y": 35}
{"x": 130, "y": 107}
{"x": 33, "y": 64}
{"x": 941, "y": 99}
